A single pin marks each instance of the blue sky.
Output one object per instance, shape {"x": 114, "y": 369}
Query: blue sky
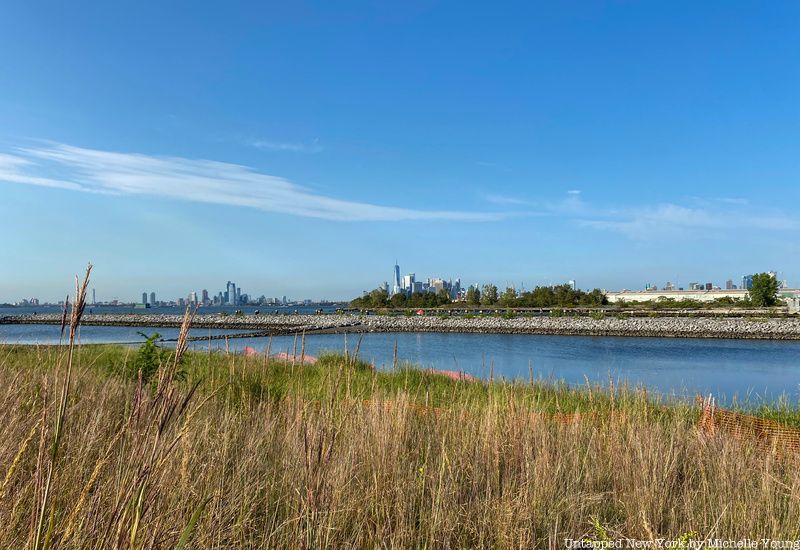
{"x": 299, "y": 148}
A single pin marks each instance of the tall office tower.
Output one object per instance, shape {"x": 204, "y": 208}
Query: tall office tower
{"x": 747, "y": 282}
{"x": 571, "y": 284}
{"x": 436, "y": 285}
{"x": 709, "y": 286}
{"x": 238, "y": 296}
{"x": 407, "y": 285}
{"x": 231, "y": 293}
{"x": 729, "y": 284}
{"x": 455, "y": 289}
{"x": 385, "y": 287}
{"x": 193, "y": 298}
{"x": 152, "y": 298}
{"x": 94, "y": 298}
{"x": 205, "y": 297}
{"x": 144, "y": 298}
{"x": 396, "y": 287}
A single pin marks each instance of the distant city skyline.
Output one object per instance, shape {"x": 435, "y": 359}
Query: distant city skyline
{"x": 611, "y": 143}
{"x": 406, "y": 283}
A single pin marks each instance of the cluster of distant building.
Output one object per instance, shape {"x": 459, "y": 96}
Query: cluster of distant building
{"x": 408, "y": 284}
{"x": 26, "y": 302}
{"x": 702, "y": 292}
{"x": 746, "y": 284}
{"x": 231, "y": 296}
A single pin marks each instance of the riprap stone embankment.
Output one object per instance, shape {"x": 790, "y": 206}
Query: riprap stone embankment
{"x": 674, "y": 327}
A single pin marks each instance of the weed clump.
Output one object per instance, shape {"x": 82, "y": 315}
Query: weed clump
{"x": 148, "y": 359}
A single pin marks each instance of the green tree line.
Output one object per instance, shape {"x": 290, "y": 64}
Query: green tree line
{"x": 488, "y": 295}
{"x": 764, "y": 293}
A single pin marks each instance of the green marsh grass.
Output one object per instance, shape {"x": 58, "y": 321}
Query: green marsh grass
{"x": 245, "y": 452}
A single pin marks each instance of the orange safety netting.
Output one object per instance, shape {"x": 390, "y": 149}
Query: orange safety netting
{"x": 767, "y": 433}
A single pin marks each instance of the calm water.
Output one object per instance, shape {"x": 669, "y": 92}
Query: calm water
{"x": 727, "y": 368}
{"x": 124, "y": 310}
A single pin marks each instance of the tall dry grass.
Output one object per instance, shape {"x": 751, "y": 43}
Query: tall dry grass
{"x": 223, "y": 451}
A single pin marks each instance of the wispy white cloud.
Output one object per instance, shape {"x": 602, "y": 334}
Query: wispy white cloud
{"x": 569, "y": 205}
{"x": 698, "y": 217}
{"x": 671, "y": 220}
{"x": 733, "y": 200}
{"x": 13, "y": 168}
{"x": 266, "y": 145}
{"x": 505, "y": 199}
{"x": 96, "y": 171}
{"x": 716, "y": 201}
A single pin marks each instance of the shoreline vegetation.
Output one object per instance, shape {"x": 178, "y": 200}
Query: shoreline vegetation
{"x": 110, "y": 446}
{"x": 763, "y": 293}
{"x": 113, "y": 446}
{"x": 231, "y": 450}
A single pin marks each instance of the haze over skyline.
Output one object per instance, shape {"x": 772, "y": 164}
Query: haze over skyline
{"x": 301, "y": 149}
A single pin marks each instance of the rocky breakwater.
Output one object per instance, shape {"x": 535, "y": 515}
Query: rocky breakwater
{"x": 672, "y": 327}
{"x": 278, "y": 324}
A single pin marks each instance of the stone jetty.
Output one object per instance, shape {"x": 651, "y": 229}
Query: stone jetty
{"x": 672, "y": 327}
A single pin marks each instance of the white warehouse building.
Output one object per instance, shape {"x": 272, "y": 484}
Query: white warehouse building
{"x": 787, "y": 294}
{"x": 677, "y": 295}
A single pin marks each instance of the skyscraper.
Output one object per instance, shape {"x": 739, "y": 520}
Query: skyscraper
{"x": 94, "y": 298}
{"x": 455, "y": 289}
{"x": 152, "y": 298}
{"x": 144, "y": 298}
{"x": 407, "y": 284}
{"x": 396, "y": 288}
{"x": 231, "y": 294}
{"x": 205, "y": 297}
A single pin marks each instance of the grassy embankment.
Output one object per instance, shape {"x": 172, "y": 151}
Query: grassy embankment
{"x": 267, "y": 454}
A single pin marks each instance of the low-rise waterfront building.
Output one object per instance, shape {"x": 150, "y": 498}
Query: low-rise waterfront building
{"x": 701, "y": 295}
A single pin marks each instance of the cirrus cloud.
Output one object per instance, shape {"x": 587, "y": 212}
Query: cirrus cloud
{"x": 63, "y": 166}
